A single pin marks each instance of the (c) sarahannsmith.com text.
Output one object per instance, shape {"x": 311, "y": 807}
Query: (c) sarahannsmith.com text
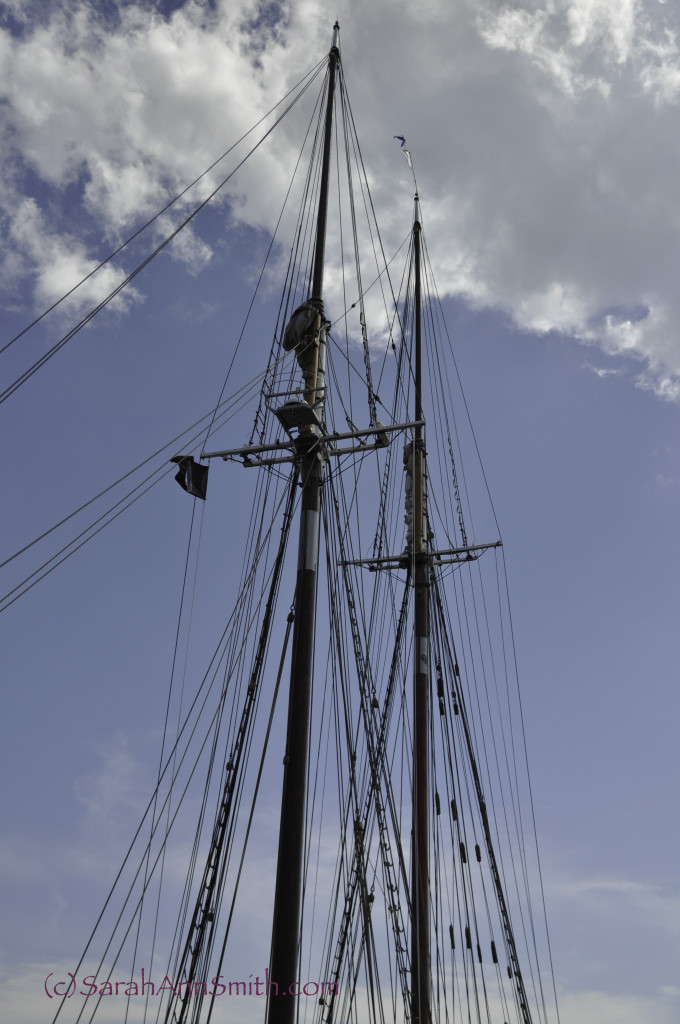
{"x": 89, "y": 986}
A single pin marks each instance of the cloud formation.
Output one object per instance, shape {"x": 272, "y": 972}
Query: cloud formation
{"x": 544, "y": 134}
{"x": 611, "y": 1008}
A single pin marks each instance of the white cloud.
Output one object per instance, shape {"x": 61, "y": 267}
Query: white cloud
{"x": 601, "y": 371}
{"x": 544, "y": 136}
{"x": 651, "y": 904}
{"x": 610, "y": 22}
{"x": 113, "y": 795}
{"x": 58, "y": 262}
{"x": 191, "y": 250}
{"x": 115, "y": 784}
{"x": 615, "y": 1008}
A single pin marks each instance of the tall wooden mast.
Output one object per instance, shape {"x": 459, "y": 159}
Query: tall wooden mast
{"x": 288, "y": 892}
{"x": 420, "y": 560}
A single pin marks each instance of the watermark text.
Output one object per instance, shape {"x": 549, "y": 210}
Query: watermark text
{"x": 65, "y": 988}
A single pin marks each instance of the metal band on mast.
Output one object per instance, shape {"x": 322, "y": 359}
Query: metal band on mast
{"x": 282, "y": 1004}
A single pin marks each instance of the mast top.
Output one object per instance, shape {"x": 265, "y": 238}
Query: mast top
{"x": 336, "y": 36}
{"x": 416, "y": 210}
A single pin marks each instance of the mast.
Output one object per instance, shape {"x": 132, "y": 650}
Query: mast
{"x": 288, "y": 891}
{"x": 420, "y": 926}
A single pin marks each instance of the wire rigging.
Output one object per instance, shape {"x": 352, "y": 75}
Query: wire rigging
{"x": 27, "y": 374}
{"x": 359, "y": 899}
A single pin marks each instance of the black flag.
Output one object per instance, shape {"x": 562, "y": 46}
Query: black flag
{"x": 192, "y": 476}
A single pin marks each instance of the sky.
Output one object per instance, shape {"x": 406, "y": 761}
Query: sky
{"x": 545, "y": 140}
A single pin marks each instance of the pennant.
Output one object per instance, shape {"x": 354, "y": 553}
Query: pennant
{"x": 402, "y": 141}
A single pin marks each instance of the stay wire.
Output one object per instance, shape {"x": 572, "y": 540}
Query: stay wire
{"x": 342, "y": 657}
{"x": 523, "y": 863}
{"x": 160, "y": 760}
{"x": 465, "y": 404}
{"x": 179, "y": 719}
{"x": 211, "y": 729}
{"x": 523, "y": 732}
{"x": 531, "y": 796}
{"x": 364, "y": 180}
{"x": 251, "y": 383}
{"x": 267, "y": 255}
{"x": 87, "y": 534}
{"x": 466, "y": 740}
{"x": 255, "y": 793}
{"x": 296, "y": 260}
{"x": 168, "y": 762}
{"x": 155, "y": 217}
{"x": 239, "y": 751}
{"x": 27, "y": 374}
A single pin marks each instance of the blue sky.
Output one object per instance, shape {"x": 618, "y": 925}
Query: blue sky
{"x": 545, "y": 137}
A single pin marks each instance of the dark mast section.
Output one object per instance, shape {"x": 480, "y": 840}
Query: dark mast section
{"x": 420, "y": 562}
{"x": 288, "y": 892}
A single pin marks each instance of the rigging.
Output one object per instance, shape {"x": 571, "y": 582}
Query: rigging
{"x": 394, "y": 886}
